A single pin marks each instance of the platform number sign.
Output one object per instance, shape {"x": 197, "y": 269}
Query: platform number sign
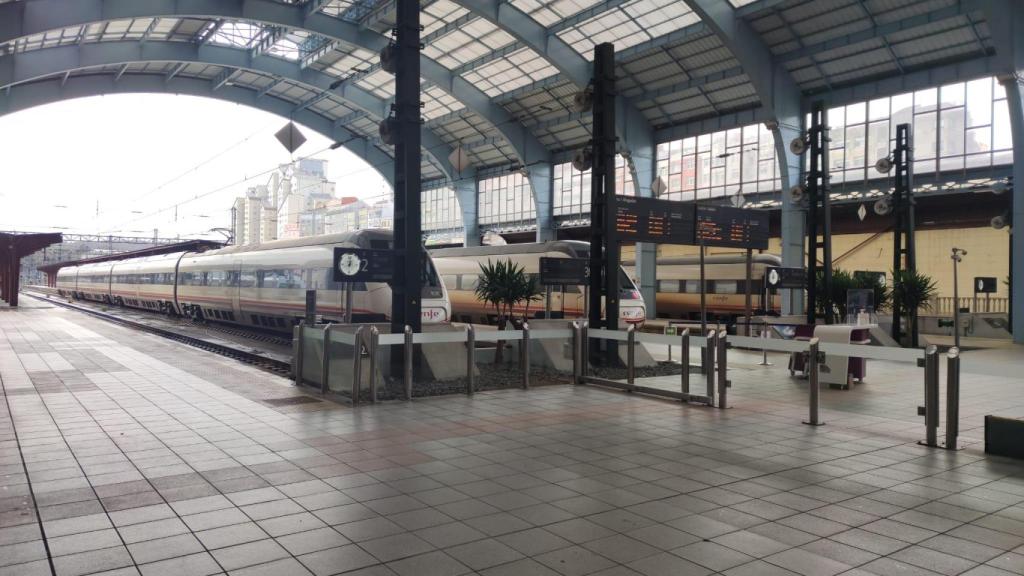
{"x": 778, "y": 277}
{"x": 362, "y": 265}
{"x": 985, "y": 285}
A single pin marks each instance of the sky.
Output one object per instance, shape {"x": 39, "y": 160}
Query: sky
{"x": 127, "y": 164}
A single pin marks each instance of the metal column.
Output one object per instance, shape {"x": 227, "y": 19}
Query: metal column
{"x": 903, "y": 253}
{"x": 1015, "y": 101}
{"x": 604, "y": 246}
{"x": 819, "y": 211}
{"x": 405, "y": 291}
{"x": 931, "y": 396}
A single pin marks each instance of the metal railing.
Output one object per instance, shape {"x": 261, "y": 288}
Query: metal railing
{"x": 367, "y": 340}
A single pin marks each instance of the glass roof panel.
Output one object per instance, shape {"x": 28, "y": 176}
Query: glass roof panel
{"x": 380, "y": 83}
{"x": 438, "y": 14}
{"x": 740, "y": 3}
{"x": 548, "y": 12}
{"x": 629, "y": 24}
{"x": 437, "y": 102}
{"x": 517, "y": 69}
{"x": 336, "y": 7}
{"x": 468, "y": 43}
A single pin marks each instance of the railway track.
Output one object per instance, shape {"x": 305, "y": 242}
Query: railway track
{"x": 276, "y": 366}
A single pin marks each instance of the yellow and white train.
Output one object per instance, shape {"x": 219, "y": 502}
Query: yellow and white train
{"x": 725, "y": 276}
{"x": 459, "y": 269}
{"x": 263, "y": 286}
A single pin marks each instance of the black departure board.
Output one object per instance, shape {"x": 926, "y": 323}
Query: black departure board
{"x": 730, "y": 227}
{"x": 653, "y": 220}
{"x": 563, "y": 271}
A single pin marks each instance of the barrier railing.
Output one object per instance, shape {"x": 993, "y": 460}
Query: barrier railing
{"x": 715, "y": 346}
{"x": 367, "y": 340}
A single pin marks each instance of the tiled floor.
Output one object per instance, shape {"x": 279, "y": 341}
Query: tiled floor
{"x": 149, "y": 457}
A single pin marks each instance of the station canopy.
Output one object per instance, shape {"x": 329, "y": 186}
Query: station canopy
{"x": 499, "y": 76}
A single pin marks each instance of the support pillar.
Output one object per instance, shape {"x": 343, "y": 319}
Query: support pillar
{"x": 1015, "y": 100}
{"x": 466, "y": 193}
{"x": 793, "y": 227}
{"x": 543, "y": 184}
{"x": 643, "y": 164}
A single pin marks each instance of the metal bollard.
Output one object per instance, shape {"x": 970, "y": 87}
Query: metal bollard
{"x": 584, "y": 349}
{"x": 470, "y": 358}
{"x": 372, "y": 352}
{"x": 325, "y": 367}
{"x": 576, "y": 338}
{"x": 709, "y": 365}
{"x": 357, "y": 366}
{"x": 407, "y": 365}
{"x": 684, "y": 351}
{"x": 814, "y": 384}
{"x": 525, "y": 352}
{"x": 931, "y": 396}
{"x": 723, "y": 377}
{"x": 952, "y": 398}
{"x": 631, "y": 356}
{"x": 297, "y": 368}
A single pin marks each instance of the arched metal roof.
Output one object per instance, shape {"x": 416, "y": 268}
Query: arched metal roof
{"x": 498, "y": 75}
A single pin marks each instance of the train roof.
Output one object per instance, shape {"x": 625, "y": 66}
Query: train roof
{"x": 572, "y": 248}
{"x": 369, "y": 238}
{"x": 770, "y": 259}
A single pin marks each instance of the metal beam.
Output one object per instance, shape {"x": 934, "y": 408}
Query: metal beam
{"x": 781, "y": 99}
{"x": 26, "y": 67}
{"x": 221, "y": 79}
{"x": 268, "y": 37}
{"x": 20, "y": 19}
{"x": 29, "y": 95}
{"x": 883, "y": 30}
{"x": 632, "y": 127}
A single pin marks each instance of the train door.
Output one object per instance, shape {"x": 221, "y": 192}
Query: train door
{"x": 235, "y": 286}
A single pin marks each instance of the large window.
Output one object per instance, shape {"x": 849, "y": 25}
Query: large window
{"x": 506, "y": 199}
{"x": 719, "y": 164}
{"x": 572, "y": 187}
{"x": 440, "y": 209}
{"x": 955, "y": 127}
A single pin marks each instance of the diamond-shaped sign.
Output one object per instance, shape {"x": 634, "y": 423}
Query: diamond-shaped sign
{"x": 459, "y": 158}
{"x": 862, "y": 212}
{"x": 658, "y": 187}
{"x": 290, "y": 137}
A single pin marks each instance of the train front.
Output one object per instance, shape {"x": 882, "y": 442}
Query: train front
{"x": 436, "y": 307}
{"x": 631, "y": 302}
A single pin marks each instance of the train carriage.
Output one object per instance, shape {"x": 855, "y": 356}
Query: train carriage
{"x": 725, "y": 275}
{"x": 263, "y": 285}
{"x": 459, "y": 269}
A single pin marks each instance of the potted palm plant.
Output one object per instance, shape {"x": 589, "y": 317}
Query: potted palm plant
{"x": 914, "y": 291}
{"x": 506, "y": 286}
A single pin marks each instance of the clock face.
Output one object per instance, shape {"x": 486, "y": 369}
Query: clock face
{"x": 349, "y": 264}
{"x": 773, "y": 277}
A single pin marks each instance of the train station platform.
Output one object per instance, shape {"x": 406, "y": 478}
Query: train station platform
{"x": 123, "y": 453}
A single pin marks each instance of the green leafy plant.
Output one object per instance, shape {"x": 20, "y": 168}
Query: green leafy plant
{"x": 832, "y": 304}
{"x": 913, "y": 291}
{"x": 506, "y": 286}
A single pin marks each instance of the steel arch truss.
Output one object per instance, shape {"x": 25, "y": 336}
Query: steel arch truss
{"x": 21, "y": 19}
{"x": 31, "y": 66}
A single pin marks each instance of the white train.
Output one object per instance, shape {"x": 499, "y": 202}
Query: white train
{"x": 725, "y": 277}
{"x": 459, "y": 269}
{"x": 262, "y": 285}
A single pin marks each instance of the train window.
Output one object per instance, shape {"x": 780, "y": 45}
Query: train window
{"x": 469, "y": 281}
{"x": 217, "y": 278}
{"x": 726, "y": 287}
{"x": 692, "y": 287}
{"x": 668, "y": 286}
{"x": 451, "y": 281}
{"x": 247, "y": 278}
